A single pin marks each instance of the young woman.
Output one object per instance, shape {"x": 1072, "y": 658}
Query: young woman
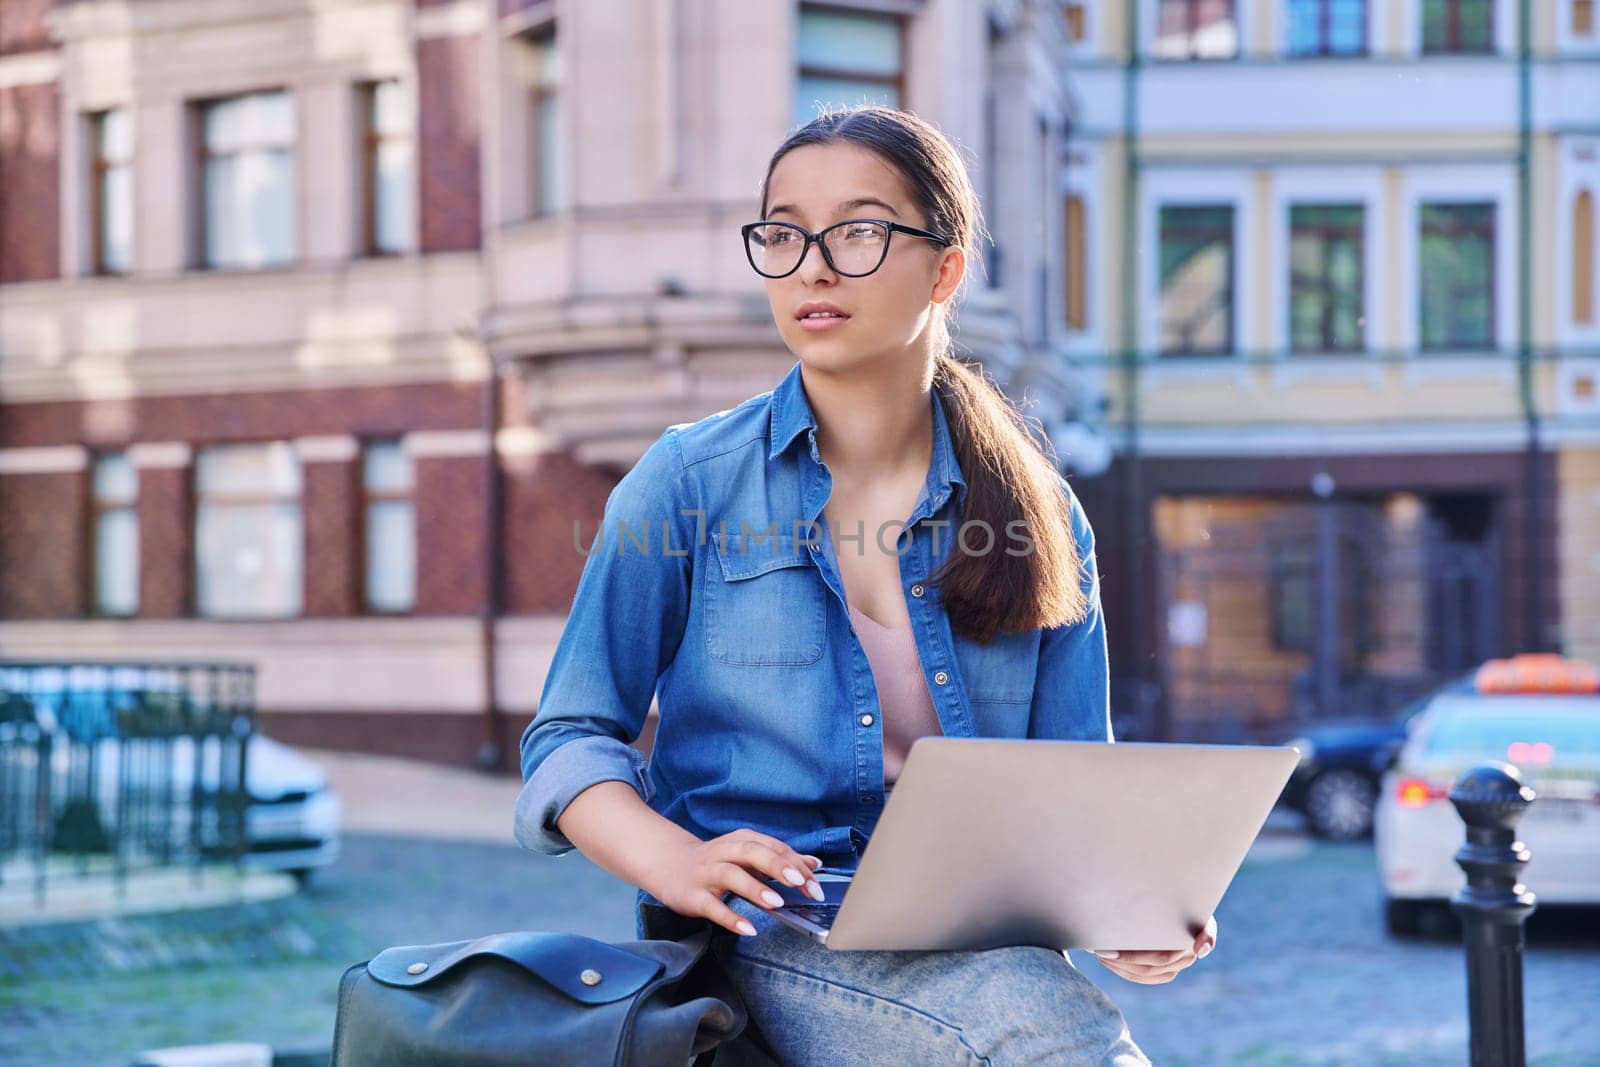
{"x": 878, "y": 549}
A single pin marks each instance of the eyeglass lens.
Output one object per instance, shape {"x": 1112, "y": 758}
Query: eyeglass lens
{"x": 855, "y": 247}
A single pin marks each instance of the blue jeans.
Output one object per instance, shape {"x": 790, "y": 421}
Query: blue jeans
{"x": 813, "y": 1005}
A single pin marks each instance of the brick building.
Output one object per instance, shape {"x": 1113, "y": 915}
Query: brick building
{"x": 322, "y": 323}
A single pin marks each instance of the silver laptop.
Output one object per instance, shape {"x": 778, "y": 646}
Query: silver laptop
{"x": 986, "y": 842}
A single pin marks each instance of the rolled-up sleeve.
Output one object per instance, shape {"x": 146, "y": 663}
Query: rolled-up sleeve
{"x": 626, "y": 621}
{"x": 1072, "y": 696}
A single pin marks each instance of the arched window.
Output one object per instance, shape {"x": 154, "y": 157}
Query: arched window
{"x": 1583, "y": 259}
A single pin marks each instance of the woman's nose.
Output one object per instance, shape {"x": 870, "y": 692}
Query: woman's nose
{"x": 814, "y": 264}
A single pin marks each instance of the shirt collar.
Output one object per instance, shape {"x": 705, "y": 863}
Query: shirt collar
{"x": 791, "y": 415}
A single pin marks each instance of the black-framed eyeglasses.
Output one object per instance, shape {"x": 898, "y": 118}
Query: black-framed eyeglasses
{"x": 853, "y": 248}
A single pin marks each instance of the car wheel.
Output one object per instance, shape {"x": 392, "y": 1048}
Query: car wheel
{"x": 1339, "y": 805}
{"x": 1402, "y": 918}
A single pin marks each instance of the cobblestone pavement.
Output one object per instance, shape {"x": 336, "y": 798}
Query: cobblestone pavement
{"x": 1302, "y": 973}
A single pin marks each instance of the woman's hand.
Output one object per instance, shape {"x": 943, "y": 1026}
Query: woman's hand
{"x": 1156, "y": 968}
{"x": 695, "y": 875}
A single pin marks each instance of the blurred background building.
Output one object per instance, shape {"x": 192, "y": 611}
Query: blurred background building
{"x": 323, "y": 321}
{"x": 1339, "y": 274}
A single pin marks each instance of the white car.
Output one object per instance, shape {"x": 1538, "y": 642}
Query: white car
{"x": 1539, "y": 713}
{"x": 291, "y": 820}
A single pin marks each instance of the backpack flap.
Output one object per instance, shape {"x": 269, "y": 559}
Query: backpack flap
{"x": 587, "y": 970}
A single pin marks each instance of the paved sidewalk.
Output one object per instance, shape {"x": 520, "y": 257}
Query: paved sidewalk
{"x": 415, "y": 798}
{"x": 1303, "y": 974}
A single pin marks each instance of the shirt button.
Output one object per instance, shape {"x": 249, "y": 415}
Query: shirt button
{"x": 941, "y": 677}
{"x": 866, "y": 720}
{"x": 916, "y": 590}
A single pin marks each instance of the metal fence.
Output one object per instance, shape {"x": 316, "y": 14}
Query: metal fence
{"x": 110, "y": 768}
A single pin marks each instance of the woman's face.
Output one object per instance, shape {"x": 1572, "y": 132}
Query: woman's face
{"x": 814, "y": 186}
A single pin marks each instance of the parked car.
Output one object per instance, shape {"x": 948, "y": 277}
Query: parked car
{"x": 292, "y": 816}
{"x": 1540, "y": 713}
{"x": 151, "y": 714}
{"x": 1335, "y": 785}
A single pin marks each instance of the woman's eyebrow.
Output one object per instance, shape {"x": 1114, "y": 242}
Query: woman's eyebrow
{"x": 842, "y": 206}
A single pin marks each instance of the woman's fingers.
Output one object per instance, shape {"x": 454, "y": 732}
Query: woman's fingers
{"x": 1153, "y": 957}
{"x": 1147, "y": 967}
{"x": 726, "y": 917}
{"x": 751, "y": 888}
{"x": 1143, "y": 974}
{"x": 777, "y": 861}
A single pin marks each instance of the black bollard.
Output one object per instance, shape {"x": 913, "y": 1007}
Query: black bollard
{"x": 1493, "y": 905}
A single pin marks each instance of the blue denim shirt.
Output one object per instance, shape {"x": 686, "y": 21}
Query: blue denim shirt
{"x": 763, "y": 689}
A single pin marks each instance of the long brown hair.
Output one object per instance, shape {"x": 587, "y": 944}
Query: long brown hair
{"x": 1010, "y": 468}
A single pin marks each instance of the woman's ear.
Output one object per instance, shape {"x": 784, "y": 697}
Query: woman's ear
{"x": 952, "y": 265}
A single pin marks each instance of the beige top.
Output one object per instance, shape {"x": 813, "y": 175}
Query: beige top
{"x": 903, "y": 700}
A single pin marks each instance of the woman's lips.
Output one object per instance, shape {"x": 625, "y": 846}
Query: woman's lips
{"x": 820, "y": 324}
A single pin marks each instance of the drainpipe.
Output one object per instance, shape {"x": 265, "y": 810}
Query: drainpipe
{"x": 1532, "y": 625}
{"x": 1153, "y": 714}
{"x": 491, "y": 753}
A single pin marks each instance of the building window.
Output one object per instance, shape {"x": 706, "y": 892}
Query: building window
{"x": 1327, "y": 27}
{"x": 1196, "y": 29}
{"x": 847, "y": 58}
{"x": 1583, "y": 259}
{"x": 1457, "y": 26}
{"x": 1077, "y": 28}
{"x": 1075, "y": 263}
{"x": 110, "y": 191}
{"x": 1582, "y": 18}
{"x": 1197, "y": 279}
{"x": 1293, "y": 585}
{"x": 1457, "y": 276}
{"x": 548, "y": 134}
{"x": 115, "y": 491}
{"x": 1326, "y": 280}
{"x": 389, "y": 518}
{"x": 249, "y": 546}
{"x": 389, "y": 177}
{"x": 246, "y": 168}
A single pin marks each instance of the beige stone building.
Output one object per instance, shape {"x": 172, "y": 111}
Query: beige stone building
{"x": 1337, "y": 274}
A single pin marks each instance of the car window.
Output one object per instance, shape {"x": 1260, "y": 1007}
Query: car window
{"x": 1490, "y": 726}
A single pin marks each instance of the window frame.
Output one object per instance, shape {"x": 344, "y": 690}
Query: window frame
{"x": 1150, "y": 31}
{"x": 200, "y": 155}
{"x": 244, "y": 499}
{"x": 1491, "y": 283}
{"x": 1324, "y": 49}
{"x": 376, "y": 496}
{"x": 1588, "y": 27}
{"x": 897, "y": 82}
{"x": 1075, "y": 261}
{"x": 95, "y": 507}
{"x": 1453, "y": 45}
{"x": 540, "y": 202}
{"x": 1230, "y": 346}
{"x": 1363, "y": 312}
{"x": 372, "y": 139}
{"x": 98, "y": 167}
{"x": 1585, "y": 235}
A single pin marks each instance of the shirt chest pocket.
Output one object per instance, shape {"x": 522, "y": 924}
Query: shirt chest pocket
{"x": 764, "y": 605}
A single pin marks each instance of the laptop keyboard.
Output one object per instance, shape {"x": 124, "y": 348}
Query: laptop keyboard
{"x": 821, "y": 914}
